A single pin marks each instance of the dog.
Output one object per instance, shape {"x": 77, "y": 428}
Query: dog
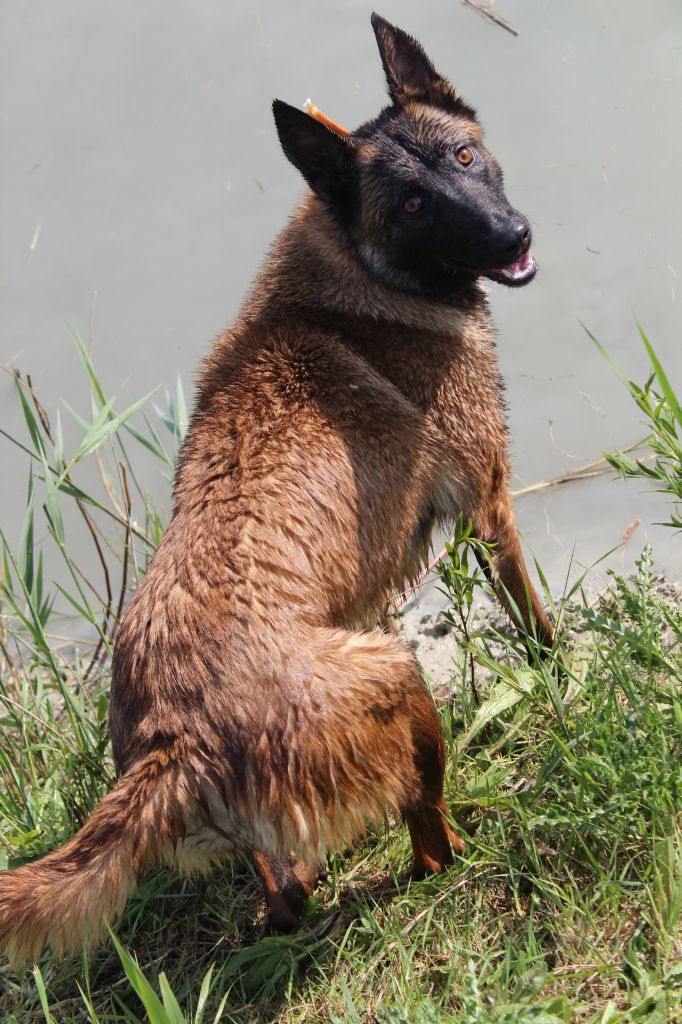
{"x": 260, "y": 703}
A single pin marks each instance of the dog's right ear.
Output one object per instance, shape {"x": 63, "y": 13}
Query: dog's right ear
{"x": 324, "y": 158}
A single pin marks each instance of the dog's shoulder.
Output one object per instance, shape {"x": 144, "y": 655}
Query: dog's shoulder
{"x": 291, "y": 370}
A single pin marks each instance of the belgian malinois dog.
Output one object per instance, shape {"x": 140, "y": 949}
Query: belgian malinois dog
{"x": 259, "y": 704}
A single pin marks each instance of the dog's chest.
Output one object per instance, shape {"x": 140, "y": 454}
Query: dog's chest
{"x": 449, "y": 484}
{"x": 466, "y": 432}
{"x": 453, "y": 387}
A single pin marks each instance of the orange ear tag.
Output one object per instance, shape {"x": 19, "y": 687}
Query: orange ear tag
{"x": 311, "y": 109}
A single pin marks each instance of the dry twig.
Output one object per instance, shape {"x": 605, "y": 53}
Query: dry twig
{"x": 489, "y": 13}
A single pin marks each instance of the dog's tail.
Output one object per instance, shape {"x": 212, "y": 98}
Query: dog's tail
{"x": 66, "y": 899}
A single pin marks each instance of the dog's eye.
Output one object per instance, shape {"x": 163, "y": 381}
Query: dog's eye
{"x": 412, "y": 204}
{"x": 465, "y": 156}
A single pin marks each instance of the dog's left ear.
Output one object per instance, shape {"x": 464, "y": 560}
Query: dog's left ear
{"x": 324, "y": 158}
{"x": 409, "y": 73}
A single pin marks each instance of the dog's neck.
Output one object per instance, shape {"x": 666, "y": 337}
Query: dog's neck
{"x": 312, "y": 271}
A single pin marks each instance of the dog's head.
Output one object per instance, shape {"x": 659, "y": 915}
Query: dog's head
{"x": 417, "y": 192}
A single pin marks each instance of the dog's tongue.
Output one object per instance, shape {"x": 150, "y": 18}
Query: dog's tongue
{"x": 520, "y": 267}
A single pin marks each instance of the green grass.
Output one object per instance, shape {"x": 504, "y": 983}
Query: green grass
{"x": 567, "y": 903}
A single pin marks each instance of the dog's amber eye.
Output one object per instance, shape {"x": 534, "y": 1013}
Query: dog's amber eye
{"x": 465, "y": 156}
{"x": 413, "y": 204}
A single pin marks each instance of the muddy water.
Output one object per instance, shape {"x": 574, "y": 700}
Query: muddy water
{"x": 141, "y": 181}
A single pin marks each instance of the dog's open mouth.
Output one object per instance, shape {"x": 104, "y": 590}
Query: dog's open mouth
{"x": 519, "y": 272}
{"x": 515, "y": 274}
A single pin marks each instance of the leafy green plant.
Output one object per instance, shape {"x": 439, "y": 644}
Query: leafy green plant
{"x": 663, "y": 414}
{"x": 460, "y": 581}
{"x": 477, "y": 1007}
{"x": 55, "y": 638}
{"x": 163, "y": 1010}
{"x": 167, "y": 1009}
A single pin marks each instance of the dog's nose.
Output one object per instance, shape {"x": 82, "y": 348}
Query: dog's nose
{"x": 518, "y": 239}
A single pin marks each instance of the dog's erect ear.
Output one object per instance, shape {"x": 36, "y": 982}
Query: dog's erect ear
{"x": 324, "y": 158}
{"x": 410, "y": 74}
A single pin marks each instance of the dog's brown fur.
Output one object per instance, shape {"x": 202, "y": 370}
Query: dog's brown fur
{"x": 256, "y": 705}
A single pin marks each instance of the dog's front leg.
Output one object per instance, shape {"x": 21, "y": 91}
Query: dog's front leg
{"x": 495, "y": 523}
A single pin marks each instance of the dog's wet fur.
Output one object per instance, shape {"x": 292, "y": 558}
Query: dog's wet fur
{"x": 260, "y": 702}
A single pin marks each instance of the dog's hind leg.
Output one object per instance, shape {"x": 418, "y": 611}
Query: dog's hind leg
{"x": 362, "y": 738}
{"x": 388, "y": 725}
{"x": 433, "y": 841}
{"x": 287, "y": 885}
